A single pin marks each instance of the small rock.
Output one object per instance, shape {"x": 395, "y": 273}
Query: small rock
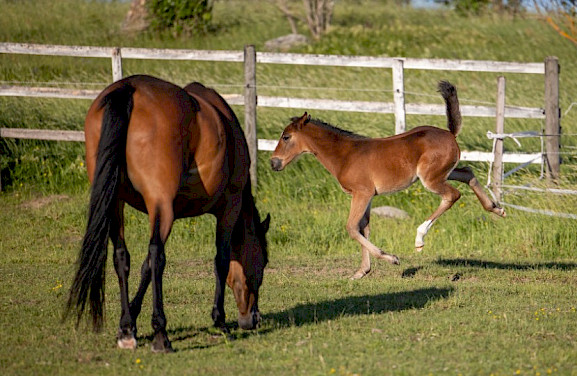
{"x": 285, "y": 42}
{"x": 390, "y": 212}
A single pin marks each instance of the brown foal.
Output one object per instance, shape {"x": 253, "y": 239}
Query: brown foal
{"x": 366, "y": 167}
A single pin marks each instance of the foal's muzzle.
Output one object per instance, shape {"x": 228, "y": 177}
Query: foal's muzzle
{"x": 276, "y": 164}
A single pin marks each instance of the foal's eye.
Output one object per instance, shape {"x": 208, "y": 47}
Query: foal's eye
{"x": 285, "y": 137}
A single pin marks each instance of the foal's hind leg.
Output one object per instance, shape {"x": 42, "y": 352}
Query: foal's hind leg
{"x": 365, "y": 255}
{"x": 359, "y": 206}
{"x": 465, "y": 175}
{"x": 449, "y": 196}
{"x": 126, "y": 338}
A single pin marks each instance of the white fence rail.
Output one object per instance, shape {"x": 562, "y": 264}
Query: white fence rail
{"x": 399, "y": 108}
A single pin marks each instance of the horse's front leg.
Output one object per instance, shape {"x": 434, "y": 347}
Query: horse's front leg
{"x": 359, "y": 205}
{"x": 224, "y": 228}
{"x": 126, "y": 337}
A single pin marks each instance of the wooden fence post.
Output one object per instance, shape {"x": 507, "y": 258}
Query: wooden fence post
{"x": 499, "y": 129}
{"x": 399, "y": 95}
{"x": 552, "y": 118}
{"x": 250, "y": 100}
{"x": 116, "y": 64}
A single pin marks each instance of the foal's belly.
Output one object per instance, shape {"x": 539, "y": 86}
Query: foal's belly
{"x": 393, "y": 185}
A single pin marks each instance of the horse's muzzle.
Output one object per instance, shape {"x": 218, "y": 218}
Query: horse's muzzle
{"x": 250, "y": 321}
{"x": 276, "y": 164}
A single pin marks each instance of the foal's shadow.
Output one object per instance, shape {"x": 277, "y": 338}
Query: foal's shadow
{"x": 474, "y": 263}
{"x": 322, "y": 311}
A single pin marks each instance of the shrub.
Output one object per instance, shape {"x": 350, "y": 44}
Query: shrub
{"x": 180, "y": 16}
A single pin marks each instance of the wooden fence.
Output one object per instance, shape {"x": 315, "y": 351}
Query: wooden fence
{"x": 250, "y": 58}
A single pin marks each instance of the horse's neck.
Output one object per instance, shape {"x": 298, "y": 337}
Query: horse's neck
{"x": 330, "y": 148}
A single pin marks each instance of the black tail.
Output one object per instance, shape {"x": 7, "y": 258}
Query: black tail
{"x": 90, "y": 276}
{"x": 449, "y": 93}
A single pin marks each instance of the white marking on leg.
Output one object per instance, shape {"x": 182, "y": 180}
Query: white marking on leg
{"x": 421, "y": 232}
{"x": 127, "y": 343}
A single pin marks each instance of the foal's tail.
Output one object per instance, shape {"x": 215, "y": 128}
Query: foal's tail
{"x": 90, "y": 276}
{"x": 449, "y": 93}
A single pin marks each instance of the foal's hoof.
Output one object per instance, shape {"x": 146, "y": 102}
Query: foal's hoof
{"x": 359, "y": 274}
{"x": 392, "y": 259}
{"x": 127, "y": 343}
{"x": 419, "y": 248}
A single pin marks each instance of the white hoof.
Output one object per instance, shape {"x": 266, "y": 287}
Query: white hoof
{"x": 127, "y": 343}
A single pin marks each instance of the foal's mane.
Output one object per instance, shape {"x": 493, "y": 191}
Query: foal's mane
{"x": 332, "y": 128}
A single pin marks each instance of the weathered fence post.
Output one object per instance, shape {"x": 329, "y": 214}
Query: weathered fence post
{"x": 399, "y": 95}
{"x": 552, "y": 118}
{"x": 250, "y": 100}
{"x": 498, "y": 150}
{"x": 116, "y": 64}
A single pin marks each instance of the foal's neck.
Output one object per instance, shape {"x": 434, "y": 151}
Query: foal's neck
{"x": 331, "y": 145}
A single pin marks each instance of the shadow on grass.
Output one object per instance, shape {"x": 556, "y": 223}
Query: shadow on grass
{"x": 356, "y": 305}
{"x": 472, "y": 263}
{"x": 303, "y": 314}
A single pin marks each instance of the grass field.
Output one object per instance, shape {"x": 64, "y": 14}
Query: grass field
{"x": 486, "y": 296}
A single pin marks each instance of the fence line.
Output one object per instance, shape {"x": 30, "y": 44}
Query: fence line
{"x": 399, "y": 108}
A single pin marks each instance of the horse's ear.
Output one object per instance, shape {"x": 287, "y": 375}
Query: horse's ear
{"x": 266, "y": 223}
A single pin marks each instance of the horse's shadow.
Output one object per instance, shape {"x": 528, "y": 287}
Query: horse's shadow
{"x": 474, "y": 263}
{"x": 316, "y": 312}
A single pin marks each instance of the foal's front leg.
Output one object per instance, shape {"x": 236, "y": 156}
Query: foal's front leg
{"x": 359, "y": 205}
{"x": 365, "y": 255}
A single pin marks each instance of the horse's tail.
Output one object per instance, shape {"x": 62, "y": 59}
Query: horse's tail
{"x": 449, "y": 93}
{"x": 89, "y": 281}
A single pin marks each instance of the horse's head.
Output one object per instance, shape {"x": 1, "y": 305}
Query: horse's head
{"x": 290, "y": 144}
{"x": 248, "y": 259}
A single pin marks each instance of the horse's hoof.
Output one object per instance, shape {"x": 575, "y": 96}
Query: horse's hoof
{"x": 419, "y": 248}
{"x": 127, "y": 343}
{"x": 161, "y": 348}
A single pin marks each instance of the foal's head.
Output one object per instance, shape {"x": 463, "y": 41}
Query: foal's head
{"x": 249, "y": 257}
{"x": 290, "y": 144}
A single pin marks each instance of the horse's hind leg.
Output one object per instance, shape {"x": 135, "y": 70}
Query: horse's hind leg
{"x": 126, "y": 338}
{"x": 364, "y": 228}
{"x": 359, "y": 205}
{"x": 449, "y": 196}
{"x": 161, "y": 223}
{"x": 465, "y": 175}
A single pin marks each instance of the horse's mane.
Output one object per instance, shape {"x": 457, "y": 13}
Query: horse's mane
{"x": 332, "y": 128}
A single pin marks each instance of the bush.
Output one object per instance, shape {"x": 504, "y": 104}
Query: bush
{"x": 180, "y": 16}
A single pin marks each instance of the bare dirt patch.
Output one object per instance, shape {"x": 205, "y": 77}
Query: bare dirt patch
{"x": 41, "y": 202}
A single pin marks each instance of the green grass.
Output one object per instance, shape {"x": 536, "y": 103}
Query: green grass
{"x": 486, "y": 296}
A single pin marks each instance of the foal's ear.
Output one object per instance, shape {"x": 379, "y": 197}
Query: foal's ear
{"x": 304, "y": 120}
{"x": 266, "y": 223}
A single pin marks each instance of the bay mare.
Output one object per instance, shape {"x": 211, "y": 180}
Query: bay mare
{"x": 171, "y": 153}
{"x": 365, "y": 167}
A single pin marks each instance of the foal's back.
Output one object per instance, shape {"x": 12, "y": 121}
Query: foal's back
{"x": 393, "y": 163}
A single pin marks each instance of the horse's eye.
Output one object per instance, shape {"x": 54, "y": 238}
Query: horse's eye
{"x": 285, "y": 138}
